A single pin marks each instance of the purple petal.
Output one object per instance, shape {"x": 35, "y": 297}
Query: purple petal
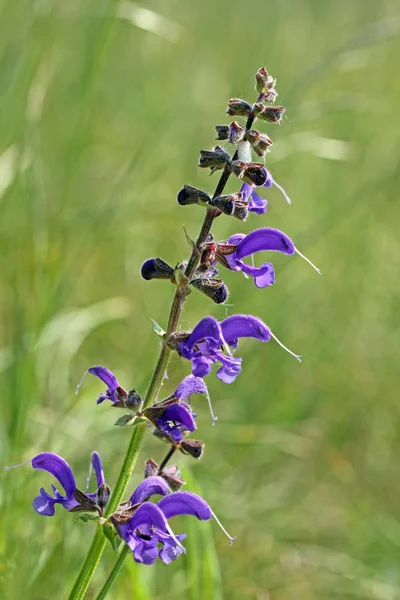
{"x": 106, "y": 376}
{"x": 269, "y": 180}
{"x": 231, "y": 368}
{"x": 146, "y": 552}
{"x": 207, "y": 328}
{"x": 59, "y": 468}
{"x": 149, "y": 514}
{"x": 98, "y": 469}
{"x": 149, "y": 487}
{"x": 246, "y": 190}
{"x": 257, "y": 204}
{"x": 234, "y": 240}
{"x": 190, "y": 385}
{"x": 185, "y": 503}
{"x": 200, "y": 366}
{"x": 44, "y": 504}
{"x": 263, "y": 276}
{"x": 265, "y": 238}
{"x": 239, "y": 326}
{"x": 179, "y": 413}
{"x": 170, "y": 551}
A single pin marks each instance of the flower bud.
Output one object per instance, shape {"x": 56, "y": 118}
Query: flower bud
{"x": 236, "y": 132}
{"x": 191, "y": 195}
{"x": 150, "y": 468}
{"x": 272, "y": 114}
{"x": 252, "y": 173}
{"x": 173, "y": 477}
{"x": 103, "y": 495}
{"x": 156, "y": 268}
{"x": 193, "y": 447}
{"x": 261, "y": 80}
{"x": 134, "y": 401}
{"x": 213, "y": 288}
{"x": 238, "y": 107}
{"x": 222, "y": 132}
{"x": 260, "y": 142}
{"x": 232, "y": 205}
{"x": 214, "y": 159}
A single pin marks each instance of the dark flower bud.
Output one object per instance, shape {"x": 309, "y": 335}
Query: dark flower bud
{"x": 193, "y": 447}
{"x": 269, "y": 95}
{"x": 252, "y": 173}
{"x": 103, "y": 495}
{"x": 213, "y": 288}
{"x": 156, "y": 268}
{"x": 232, "y": 205}
{"x": 173, "y": 477}
{"x": 214, "y": 159}
{"x": 238, "y": 107}
{"x": 272, "y": 114}
{"x": 85, "y": 503}
{"x": 236, "y": 132}
{"x": 150, "y": 468}
{"x": 222, "y": 132}
{"x": 134, "y": 400}
{"x": 261, "y": 80}
{"x": 260, "y": 142}
{"x": 191, "y": 195}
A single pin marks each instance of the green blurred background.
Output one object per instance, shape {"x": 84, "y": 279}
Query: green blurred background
{"x": 104, "y": 107}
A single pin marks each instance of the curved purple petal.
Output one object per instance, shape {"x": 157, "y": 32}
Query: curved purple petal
{"x": 180, "y": 413}
{"x": 150, "y": 515}
{"x": 200, "y": 366}
{"x": 149, "y": 487}
{"x": 208, "y": 328}
{"x": 257, "y": 204}
{"x": 98, "y": 469}
{"x": 263, "y": 275}
{"x": 185, "y": 503}
{"x": 234, "y": 240}
{"x": 239, "y": 326}
{"x": 246, "y": 190}
{"x": 190, "y": 385}
{"x": 265, "y": 238}
{"x": 106, "y": 376}
{"x": 59, "y": 468}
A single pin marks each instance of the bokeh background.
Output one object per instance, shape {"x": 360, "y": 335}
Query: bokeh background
{"x": 104, "y": 107}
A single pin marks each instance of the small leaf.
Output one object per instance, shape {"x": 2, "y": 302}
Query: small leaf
{"x": 127, "y": 420}
{"x": 157, "y": 328}
{"x": 111, "y": 535}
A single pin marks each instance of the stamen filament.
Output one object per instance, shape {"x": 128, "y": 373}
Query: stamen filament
{"x": 288, "y": 200}
{"x": 307, "y": 260}
{"x": 213, "y": 417}
{"x": 171, "y": 533}
{"x": 78, "y": 387}
{"x": 285, "y": 347}
{"x": 89, "y": 477}
{"x": 20, "y": 465}
{"x": 231, "y": 539}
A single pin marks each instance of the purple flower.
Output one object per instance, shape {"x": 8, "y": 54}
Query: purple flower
{"x": 44, "y": 504}
{"x": 117, "y": 394}
{"x": 204, "y": 345}
{"x": 259, "y": 240}
{"x": 174, "y": 420}
{"x": 256, "y": 203}
{"x": 148, "y": 526}
{"x": 194, "y": 385}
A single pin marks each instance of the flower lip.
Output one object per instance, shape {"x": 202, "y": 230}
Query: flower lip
{"x": 238, "y": 326}
{"x": 149, "y": 487}
{"x": 59, "y": 468}
{"x": 265, "y": 238}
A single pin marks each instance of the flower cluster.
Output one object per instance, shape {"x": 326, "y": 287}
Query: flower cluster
{"x": 142, "y": 525}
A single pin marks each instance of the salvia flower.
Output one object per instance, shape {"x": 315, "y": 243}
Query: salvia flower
{"x": 256, "y": 203}
{"x": 116, "y": 393}
{"x": 172, "y": 418}
{"x": 265, "y": 238}
{"x": 147, "y": 532}
{"x": 72, "y": 499}
{"x": 208, "y": 340}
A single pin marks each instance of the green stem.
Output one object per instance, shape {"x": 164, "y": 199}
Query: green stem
{"x": 110, "y": 579}
{"x": 96, "y": 549}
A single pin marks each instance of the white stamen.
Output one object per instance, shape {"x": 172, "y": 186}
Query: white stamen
{"x": 89, "y": 477}
{"x": 227, "y": 349}
{"x": 288, "y": 200}
{"x": 171, "y": 533}
{"x": 20, "y": 465}
{"x": 78, "y": 387}
{"x": 307, "y": 260}
{"x": 285, "y": 347}
{"x": 231, "y": 539}
{"x": 213, "y": 417}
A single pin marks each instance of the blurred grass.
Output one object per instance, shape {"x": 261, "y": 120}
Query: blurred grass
{"x": 103, "y": 109}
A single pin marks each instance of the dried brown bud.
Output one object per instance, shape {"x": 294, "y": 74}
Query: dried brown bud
{"x": 252, "y": 173}
{"x": 214, "y": 159}
{"x": 232, "y": 205}
{"x": 193, "y": 447}
{"x": 236, "y": 132}
{"x": 222, "y": 132}
{"x": 239, "y": 108}
{"x": 272, "y": 114}
{"x": 261, "y": 79}
{"x": 150, "y": 468}
{"x": 173, "y": 477}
